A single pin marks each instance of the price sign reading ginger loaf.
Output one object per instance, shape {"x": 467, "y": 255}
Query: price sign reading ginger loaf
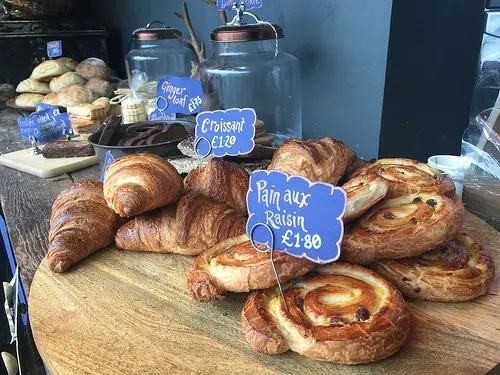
{"x": 178, "y": 95}
{"x": 230, "y": 132}
{"x": 305, "y": 217}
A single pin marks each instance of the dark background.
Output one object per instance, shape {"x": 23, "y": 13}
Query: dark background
{"x": 388, "y": 77}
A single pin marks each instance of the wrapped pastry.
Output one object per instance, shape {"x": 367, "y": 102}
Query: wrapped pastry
{"x": 363, "y": 192}
{"x": 339, "y": 313}
{"x": 234, "y": 265}
{"x": 402, "y": 227}
{"x": 406, "y": 176}
{"x": 458, "y": 271}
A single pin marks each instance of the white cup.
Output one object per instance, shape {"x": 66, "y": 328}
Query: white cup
{"x": 453, "y": 166}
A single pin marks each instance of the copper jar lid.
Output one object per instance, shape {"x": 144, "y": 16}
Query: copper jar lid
{"x": 246, "y": 33}
{"x": 149, "y": 33}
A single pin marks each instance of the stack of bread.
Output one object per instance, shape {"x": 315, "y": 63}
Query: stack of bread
{"x": 64, "y": 82}
{"x": 402, "y": 237}
{"x": 86, "y": 118}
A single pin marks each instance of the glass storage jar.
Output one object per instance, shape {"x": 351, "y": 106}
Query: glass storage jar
{"x": 247, "y": 70}
{"x": 157, "y": 52}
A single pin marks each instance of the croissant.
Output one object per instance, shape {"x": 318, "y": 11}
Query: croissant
{"x": 190, "y": 227}
{"x": 138, "y": 183}
{"x": 81, "y": 223}
{"x": 322, "y": 160}
{"x": 222, "y": 182}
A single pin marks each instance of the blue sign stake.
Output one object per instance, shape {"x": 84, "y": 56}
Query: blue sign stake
{"x": 107, "y": 162}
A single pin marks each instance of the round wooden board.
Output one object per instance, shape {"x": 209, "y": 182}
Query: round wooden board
{"x": 129, "y": 313}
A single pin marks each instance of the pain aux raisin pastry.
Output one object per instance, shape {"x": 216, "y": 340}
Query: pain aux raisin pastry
{"x": 402, "y": 227}
{"x": 406, "y": 176}
{"x": 235, "y": 265}
{"x": 362, "y": 193}
{"x": 458, "y": 271}
{"x": 341, "y": 313}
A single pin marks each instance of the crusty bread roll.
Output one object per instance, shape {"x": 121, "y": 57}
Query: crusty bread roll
{"x": 402, "y": 227}
{"x": 340, "y": 313}
{"x": 234, "y": 265}
{"x": 28, "y": 100}
{"x": 101, "y": 87}
{"x": 51, "y": 98}
{"x": 138, "y": 183}
{"x": 49, "y": 68}
{"x": 74, "y": 95}
{"x": 93, "y": 68}
{"x": 458, "y": 271}
{"x": 362, "y": 193}
{"x": 407, "y": 176}
{"x": 69, "y": 62}
{"x": 65, "y": 80}
{"x": 32, "y": 85}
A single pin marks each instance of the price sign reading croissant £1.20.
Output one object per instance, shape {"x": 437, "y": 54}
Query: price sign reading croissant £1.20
{"x": 230, "y": 132}
{"x": 306, "y": 218}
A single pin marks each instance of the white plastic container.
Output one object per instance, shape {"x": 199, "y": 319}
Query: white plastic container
{"x": 453, "y": 166}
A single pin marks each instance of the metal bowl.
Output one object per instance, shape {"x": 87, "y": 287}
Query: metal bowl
{"x": 164, "y": 149}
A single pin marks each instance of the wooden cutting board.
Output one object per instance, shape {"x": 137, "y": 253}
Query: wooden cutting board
{"x": 37, "y": 165}
{"x": 129, "y": 313}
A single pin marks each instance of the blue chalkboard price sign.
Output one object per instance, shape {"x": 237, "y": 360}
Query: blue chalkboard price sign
{"x": 54, "y": 48}
{"x": 306, "y": 218}
{"x": 226, "y": 132}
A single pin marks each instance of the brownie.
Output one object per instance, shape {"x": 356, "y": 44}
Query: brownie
{"x": 67, "y": 149}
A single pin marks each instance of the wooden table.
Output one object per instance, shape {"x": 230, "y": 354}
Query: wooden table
{"x": 26, "y": 201}
{"x": 123, "y": 312}
{"x": 211, "y": 331}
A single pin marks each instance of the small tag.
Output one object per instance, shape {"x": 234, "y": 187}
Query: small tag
{"x": 179, "y": 95}
{"x": 54, "y": 48}
{"x": 156, "y": 115}
{"x": 230, "y": 132}
{"x": 305, "y": 217}
{"x": 224, "y": 5}
{"x": 45, "y": 125}
{"x": 43, "y": 106}
{"x": 107, "y": 162}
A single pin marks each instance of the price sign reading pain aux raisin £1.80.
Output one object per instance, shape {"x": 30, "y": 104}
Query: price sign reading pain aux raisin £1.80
{"x": 306, "y": 218}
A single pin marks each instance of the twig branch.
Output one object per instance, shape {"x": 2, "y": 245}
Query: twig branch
{"x": 222, "y": 14}
{"x": 198, "y": 47}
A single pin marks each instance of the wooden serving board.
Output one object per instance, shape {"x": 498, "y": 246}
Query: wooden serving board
{"x": 129, "y": 313}
{"x": 37, "y": 165}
